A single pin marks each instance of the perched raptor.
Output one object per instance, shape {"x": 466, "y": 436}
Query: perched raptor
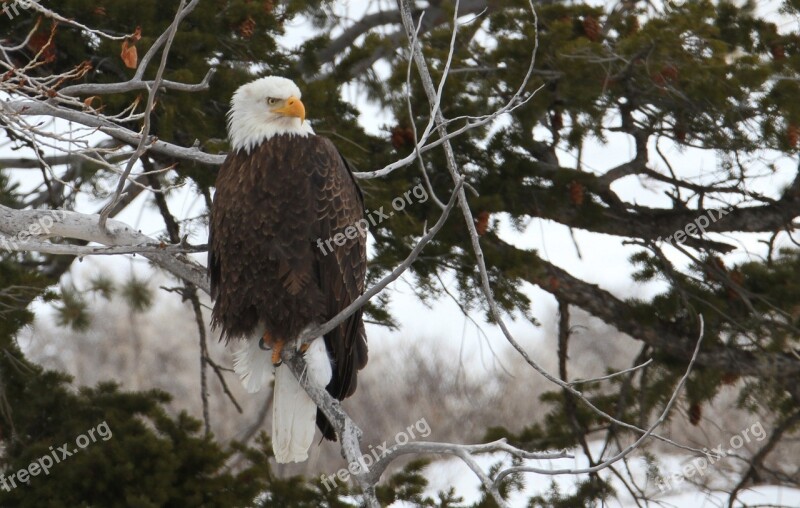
{"x": 281, "y": 195}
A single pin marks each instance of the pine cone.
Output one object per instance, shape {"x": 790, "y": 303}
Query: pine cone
{"x": 577, "y": 193}
{"x": 792, "y": 135}
{"x": 556, "y": 120}
{"x": 695, "y": 413}
{"x": 591, "y": 28}
{"x": 482, "y": 223}
{"x": 778, "y": 51}
{"x": 247, "y": 27}
{"x": 402, "y": 136}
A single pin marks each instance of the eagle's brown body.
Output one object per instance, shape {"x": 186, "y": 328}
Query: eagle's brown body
{"x": 268, "y": 273}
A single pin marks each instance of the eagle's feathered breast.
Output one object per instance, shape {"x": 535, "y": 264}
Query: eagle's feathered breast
{"x": 271, "y": 207}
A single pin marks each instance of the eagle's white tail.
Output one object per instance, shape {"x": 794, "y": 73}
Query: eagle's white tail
{"x": 294, "y": 414}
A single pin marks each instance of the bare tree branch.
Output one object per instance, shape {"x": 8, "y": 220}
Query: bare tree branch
{"x": 136, "y": 84}
{"x": 183, "y": 11}
{"x": 39, "y": 108}
{"x": 19, "y": 225}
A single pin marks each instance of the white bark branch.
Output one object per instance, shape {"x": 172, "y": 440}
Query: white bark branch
{"x": 347, "y": 431}
{"x": 22, "y": 228}
{"x": 422, "y": 447}
{"x": 64, "y": 249}
{"x": 136, "y": 84}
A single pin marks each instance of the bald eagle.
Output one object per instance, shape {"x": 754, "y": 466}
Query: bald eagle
{"x": 281, "y": 190}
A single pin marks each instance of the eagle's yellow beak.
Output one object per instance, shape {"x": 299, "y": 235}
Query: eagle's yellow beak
{"x": 293, "y": 107}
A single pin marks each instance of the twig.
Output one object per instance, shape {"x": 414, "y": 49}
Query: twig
{"x": 218, "y": 369}
{"x": 190, "y": 291}
{"x": 630, "y": 448}
{"x": 759, "y": 457}
{"x": 136, "y": 84}
{"x": 501, "y": 445}
{"x": 151, "y": 101}
{"x": 201, "y": 329}
{"x": 347, "y": 431}
{"x": 612, "y": 375}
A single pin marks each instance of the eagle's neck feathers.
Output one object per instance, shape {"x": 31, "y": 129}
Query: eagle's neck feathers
{"x": 248, "y": 129}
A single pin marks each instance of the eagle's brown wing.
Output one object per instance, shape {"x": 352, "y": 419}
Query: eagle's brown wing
{"x": 341, "y": 268}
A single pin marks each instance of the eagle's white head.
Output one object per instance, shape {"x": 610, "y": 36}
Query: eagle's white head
{"x": 264, "y": 108}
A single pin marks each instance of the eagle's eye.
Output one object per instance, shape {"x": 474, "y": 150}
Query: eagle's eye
{"x": 272, "y": 101}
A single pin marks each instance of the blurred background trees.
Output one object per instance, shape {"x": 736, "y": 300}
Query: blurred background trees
{"x": 642, "y": 118}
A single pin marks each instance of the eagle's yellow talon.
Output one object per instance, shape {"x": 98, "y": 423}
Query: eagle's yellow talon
{"x": 276, "y": 353}
{"x": 267, "y": 343}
